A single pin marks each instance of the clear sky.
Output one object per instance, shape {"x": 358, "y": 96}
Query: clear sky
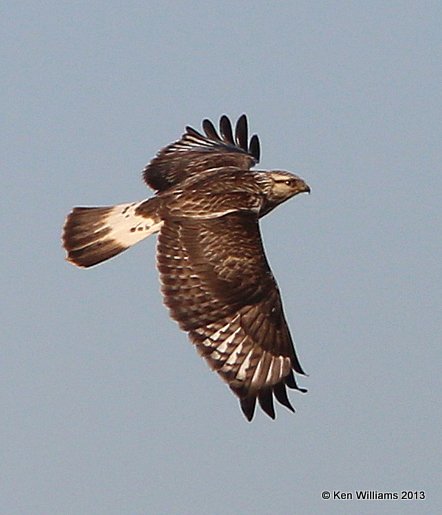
{"x": 106, "y": 408}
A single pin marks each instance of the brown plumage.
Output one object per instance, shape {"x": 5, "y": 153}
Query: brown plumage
{"x": 215, "y": 278}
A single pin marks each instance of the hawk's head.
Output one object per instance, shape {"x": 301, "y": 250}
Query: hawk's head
{"x": 285, "y": 185}
{"x": 280, "y": 186}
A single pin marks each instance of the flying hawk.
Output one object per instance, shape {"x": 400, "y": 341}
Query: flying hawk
{"x": 215, "y": 277}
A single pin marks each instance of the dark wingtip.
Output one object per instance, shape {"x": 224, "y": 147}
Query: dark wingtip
{"x": 193, "y": 132}
{"x": 281, "y": 396}
{"x": 226, "y": 134}
{"x": 291, "y": 383}
{"x": 248, "y": 407}
{"x": 254, "y": 147}
{"x": 225, "y": 128}
{"x": 265, "y": 399}
{"x": 210, "y": 130}
{"x": 241, "y": 132}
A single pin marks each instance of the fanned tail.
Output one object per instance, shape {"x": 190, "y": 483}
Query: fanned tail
{"x": 92, "y": 235}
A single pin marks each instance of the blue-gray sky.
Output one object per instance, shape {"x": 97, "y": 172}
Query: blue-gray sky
{"x": 106, "y": 408}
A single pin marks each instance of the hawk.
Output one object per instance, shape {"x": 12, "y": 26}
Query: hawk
{"x": 215, "y": 278}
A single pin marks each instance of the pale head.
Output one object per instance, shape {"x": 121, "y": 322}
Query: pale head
{"x": 286, "y": 185}
{"x": 279, "y": 186}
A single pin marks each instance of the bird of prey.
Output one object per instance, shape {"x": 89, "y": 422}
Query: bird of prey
{"x": 215, "y": 278}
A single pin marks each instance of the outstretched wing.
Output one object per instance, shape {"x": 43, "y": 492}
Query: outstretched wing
{"x": 218, "y": 285}
{"x": 194, "y": 153}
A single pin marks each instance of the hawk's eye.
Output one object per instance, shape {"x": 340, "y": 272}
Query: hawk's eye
{"x": 289, "y": 182}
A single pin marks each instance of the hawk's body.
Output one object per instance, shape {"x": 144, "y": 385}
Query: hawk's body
{"x": 215, "y": 277}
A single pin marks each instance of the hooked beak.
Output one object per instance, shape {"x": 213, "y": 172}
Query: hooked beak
{"x": 304, "y": 187}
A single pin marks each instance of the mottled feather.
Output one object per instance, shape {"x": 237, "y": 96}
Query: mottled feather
{"x": 195, "y": 153}
{"x": 218, "y": 286}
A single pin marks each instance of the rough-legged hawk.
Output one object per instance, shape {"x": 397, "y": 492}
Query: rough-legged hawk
{"x": 215, "y": 277}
